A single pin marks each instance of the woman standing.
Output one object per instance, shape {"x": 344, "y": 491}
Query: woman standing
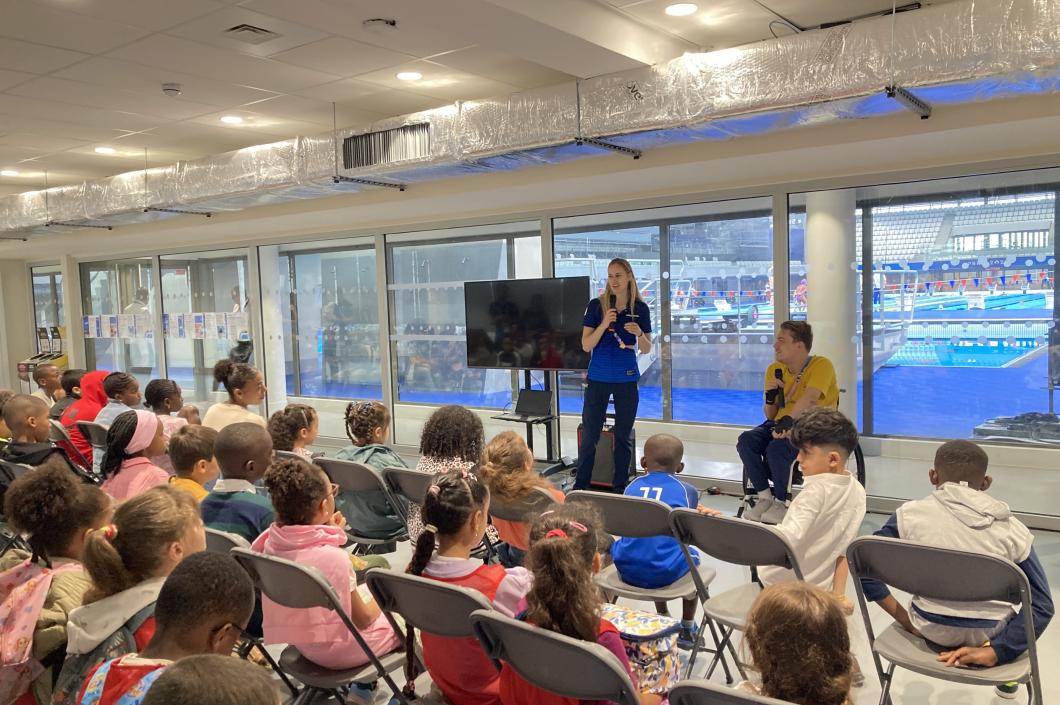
{"x": 616, "y": 328}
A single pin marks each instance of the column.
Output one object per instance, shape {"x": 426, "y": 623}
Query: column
{"x": 831, "y": 292}
{"x": 268, "y": 339}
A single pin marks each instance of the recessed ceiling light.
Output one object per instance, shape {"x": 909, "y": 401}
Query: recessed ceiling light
{"x": 8, "y": 172}
{"x": 682, "y": 9}
{"x": 409, "y": 76}
{"x": 231, "y": 120}
{"x": 105, "y": 150}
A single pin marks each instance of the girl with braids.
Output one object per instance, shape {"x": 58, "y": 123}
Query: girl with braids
{"x": 798, "y": 641}
{"x": 455, "y": 510}
{"x": 368, "y": 428}
{"x": 132, "y": 440}
{"x": 508, "y": 466}
{"x": 293, "y": 428}
{"x": 165, "y": 398}
{"x": 563, "y": 558}
{"x": 127, "y": 561}
{"x": 57, "y": 512}
{"x": 245, "y": 387}
{"x": 309, "y": 531}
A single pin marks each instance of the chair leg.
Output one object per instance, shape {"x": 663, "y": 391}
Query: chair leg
{"x": 707, "y": 623}
{"x": 274, "y": 666}
{"x": 885, "y": 682}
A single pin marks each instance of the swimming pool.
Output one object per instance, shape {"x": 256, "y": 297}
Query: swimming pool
{"x": 920, "y": 354}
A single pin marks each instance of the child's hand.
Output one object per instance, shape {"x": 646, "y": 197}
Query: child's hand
{"x": 338, "y": 520}
{"x": 845, "y": 604}
{"x": 709, "y": 511}
{"x": 970, "y": 656}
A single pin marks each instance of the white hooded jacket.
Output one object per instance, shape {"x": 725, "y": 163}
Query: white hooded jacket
{"x": 89, "y": 625}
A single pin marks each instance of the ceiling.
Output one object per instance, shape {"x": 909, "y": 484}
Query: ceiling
{"x": 80, "y": 74}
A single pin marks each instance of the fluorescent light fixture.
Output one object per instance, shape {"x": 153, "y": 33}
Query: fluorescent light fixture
{"x": 682, "y": 9}
{"x": 409, "y": 76}
{"x": 8, "y": 172}
{"x": 105, "y": 150}
{"x": 231, "y": 120}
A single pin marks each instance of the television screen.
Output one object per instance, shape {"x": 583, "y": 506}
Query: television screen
{"x": 526, "y": 323}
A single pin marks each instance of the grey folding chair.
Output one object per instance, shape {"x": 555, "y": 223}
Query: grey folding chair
{"x": 58, "y": 436}
{"x": 524, "y": 510}
{"x": 408, "y": 483}
{"x": 288, "y": 455}
{"x": 942, "y": 574}
{"x": 354, "y": 478}
{"x": 568, "y": 667}
{"x": 223, "y": 542}
{"x": 96, "y": 435}
{"x": 300, "y": 587}
{"x": 737, "y": 541}
{"x": 707, "y": 693}
{"x": 9, "y": 538}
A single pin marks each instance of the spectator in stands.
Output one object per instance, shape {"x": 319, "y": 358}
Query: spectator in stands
{"x": 294, "y": 428}
{"x": 49, "y": 387}
{"x": 132, "y": 440}
{"x": 56, "y": 512}
{"x": 164, "y": 398}
{"x": 92, "y": 400}
{"x": 26, "y": 417}
{"x": 191, "y": 450}
{"x": 794, "y": 383}
{"x": 123, "y": 394}
{"x": 127, "y": 561}
{"x": 243, "y": 451}
{"x": 213, "y": 679}
{"x": 71, "y": 384}
{"x": 245, "y": 387}
{"x": 202, "y": 608}
{"x": 959, "y": 514}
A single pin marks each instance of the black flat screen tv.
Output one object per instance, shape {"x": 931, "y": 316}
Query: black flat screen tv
{"x": 526, "y": 323}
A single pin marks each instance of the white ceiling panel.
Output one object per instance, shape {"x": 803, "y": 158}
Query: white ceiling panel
{"x": 439, "y": 82}
{"x": 40, "y": 143}
{"x": 32, "y": 21}
{"x": 268, "y": 128}
{"x": 342, "y": 57}
{"x": 35, "y": 58}
{"x": 501, "y": 67}
{"x": 13, "y": 78}
{"x": 219, "y": 64}
{"x": 110, "y": 98}
{"x": 372, "y": 97}
{"x": 718, "y": 24}
{"x": 211, "y": 29}
{"x": 155, "y": 15}
{"x": 26, "y": 107}
{"x": 191, "y": 141}
{"x": 56, "y": 128}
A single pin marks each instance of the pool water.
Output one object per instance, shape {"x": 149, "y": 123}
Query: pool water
{"x": 947, "y": 355}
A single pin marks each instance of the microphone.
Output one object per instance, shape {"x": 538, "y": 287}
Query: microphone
{"x": 611, "y": 304}
{"x": 779, "y": 374}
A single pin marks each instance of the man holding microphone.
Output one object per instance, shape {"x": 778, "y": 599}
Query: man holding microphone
{"x": 794, "y": 383}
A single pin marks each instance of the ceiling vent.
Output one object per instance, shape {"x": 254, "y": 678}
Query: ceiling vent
{"x": 249, "y": 34}
{"x": 387, "y": 146}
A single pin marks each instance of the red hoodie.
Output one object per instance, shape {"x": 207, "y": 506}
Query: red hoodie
{"x": 93, "y": 398}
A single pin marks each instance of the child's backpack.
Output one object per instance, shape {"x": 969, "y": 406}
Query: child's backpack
{"x": 23, "y": 590}
{"x": 651, "y": 646}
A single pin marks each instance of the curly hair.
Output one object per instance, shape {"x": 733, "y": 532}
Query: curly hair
{"x": 452, "y": 432}
{"x": 504, "y": 465}
{"x": 363, "y": 417}
{"x": 798, "y": 640}
{"x": 285, "y": 425}
{"x": 564, "y": 598}
{"x": 233, "y": 375}
{"x": 295, "y": 488}
{"x": 221, "y": 680}
{"x": 52, "y": 506}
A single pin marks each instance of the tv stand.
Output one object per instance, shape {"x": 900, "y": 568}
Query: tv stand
{"x": 549, "y": 421}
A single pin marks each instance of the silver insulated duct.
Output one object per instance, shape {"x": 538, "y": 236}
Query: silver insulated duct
{"x": 959, "y": 52}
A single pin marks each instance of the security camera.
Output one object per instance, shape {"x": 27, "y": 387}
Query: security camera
{"x": 172, "y": 89}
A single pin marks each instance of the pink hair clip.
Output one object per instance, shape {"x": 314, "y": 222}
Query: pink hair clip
{"x": 580, "y": 527}
{"x": 434, "y": 489}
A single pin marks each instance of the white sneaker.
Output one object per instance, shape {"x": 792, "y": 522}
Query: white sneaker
{"x": 765, "y": 501}
{"x": 775, "y": 513}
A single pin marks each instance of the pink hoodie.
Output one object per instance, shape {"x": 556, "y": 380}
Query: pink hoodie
{"x": 317, "y": 632}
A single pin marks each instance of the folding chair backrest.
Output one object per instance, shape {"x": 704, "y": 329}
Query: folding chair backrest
{"x": 937, "y": 573}
{"x": 635, "y": 517}
{"x": 57, "y": 433}
{"x": 732, "y": 540}
{"x": 286, "y": 582}
{"x": 428, "y": 605}
{"x": 524, "y": 510}
{"x": 94, "y": 433}
{"x": 559, "y": 664}
{"x": 352, "y": 477}
{"x": 288, "y": 455}
{"x": 408, "y": 483}
{"x": 223, "y": 541}
{"x": 707, "y": 693}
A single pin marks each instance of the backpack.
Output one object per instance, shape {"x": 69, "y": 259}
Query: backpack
{"x": 651, "y": 646}
{"x": 23, "y": 590}
{"x": 133, "y": 696}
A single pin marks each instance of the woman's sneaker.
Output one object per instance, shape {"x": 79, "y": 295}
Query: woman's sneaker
{"x": 1008, "y": 691}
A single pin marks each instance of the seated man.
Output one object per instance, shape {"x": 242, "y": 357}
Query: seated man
{"x": 794, "y": 383}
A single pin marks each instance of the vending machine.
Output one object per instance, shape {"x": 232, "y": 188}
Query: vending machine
{"x": 50, "y": 352}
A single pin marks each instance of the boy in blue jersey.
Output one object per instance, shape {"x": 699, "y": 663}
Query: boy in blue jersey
{"x": 657, "y": 561}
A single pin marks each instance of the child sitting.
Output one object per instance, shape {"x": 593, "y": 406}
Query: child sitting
{"x": 56, "y": 512}
{"x": 658, "y": 561}
{"x": 92, "y": 400}
{"x": 309, "y": 530}
{"x": 564, "y": 599}
{"x": 294, "y": 428}
{"x": 71, "y": 384}
{"x": 243, "y": 451}
{"x": 127, "y": 561}
{"x": 49, "y": 384}
{"x": 245, "y": 386}
{"x": 798, "y": 641}
{"x": 5, "y": 433}
{"x": 508, "y": 466}
{"x": 27, "y": 418}
{"x": 191, "y": 452}
{"x": 960, "y": 515}
{"x": 456, "y": 510}
{"x": 132, "y": 440}
{"x": 202, "y": 608}
{"x": 368, "y": 428}
{"x": 213, "y": 679}
{"x": 123, "y": 394}
{"x": 164, "y": 398}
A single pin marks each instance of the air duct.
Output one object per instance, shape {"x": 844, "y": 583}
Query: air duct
{"x": 959, "y": 52}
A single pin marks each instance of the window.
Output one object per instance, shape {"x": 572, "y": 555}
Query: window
{"x": 48, "y": 298}
{"x": 118, "y": 299}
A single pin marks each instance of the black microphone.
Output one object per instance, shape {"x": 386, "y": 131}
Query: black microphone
{"x": 611, "y": 304}
{"x": 779, "y": 374}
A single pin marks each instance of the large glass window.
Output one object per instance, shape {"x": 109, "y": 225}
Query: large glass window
{"x": 48, "y": 298}
{"x": 118, "y": 324}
